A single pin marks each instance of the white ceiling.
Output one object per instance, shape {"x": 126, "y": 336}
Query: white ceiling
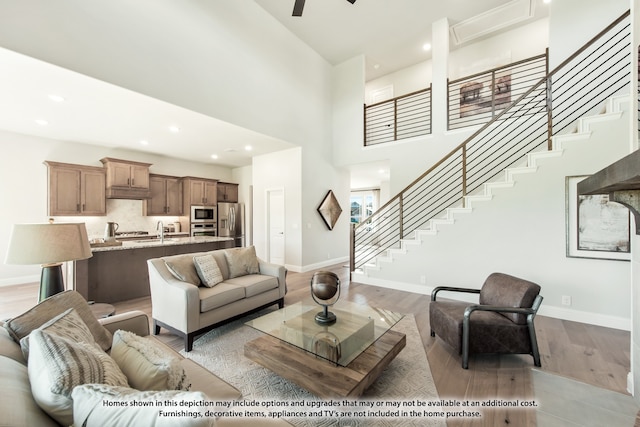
{"x": 390, "y": 33}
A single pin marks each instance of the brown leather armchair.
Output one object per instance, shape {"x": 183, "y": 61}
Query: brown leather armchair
{"x": 502, "y": 322}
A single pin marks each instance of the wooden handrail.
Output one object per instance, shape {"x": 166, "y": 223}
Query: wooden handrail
{"x": 406, "y": 95}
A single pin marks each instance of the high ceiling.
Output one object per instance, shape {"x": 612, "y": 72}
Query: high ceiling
{"x": 390, "y": 33}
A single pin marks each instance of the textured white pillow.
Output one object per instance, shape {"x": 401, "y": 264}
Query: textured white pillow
{"x": 57, "y": 365}
{"x": 147, "y": 365}
{"x": 95, "y": 403}
{"x": 208, "y": 270}
{"x": 67, "y": 325}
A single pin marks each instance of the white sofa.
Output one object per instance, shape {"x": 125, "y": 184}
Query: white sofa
{"x": 187, "y": 308}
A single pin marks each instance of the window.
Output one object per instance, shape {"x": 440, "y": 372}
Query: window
{"x": 363, "y": 204}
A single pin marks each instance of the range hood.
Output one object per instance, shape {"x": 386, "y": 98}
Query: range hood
{"x": 621, "y": 181}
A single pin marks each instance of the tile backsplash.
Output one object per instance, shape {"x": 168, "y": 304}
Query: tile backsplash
{"x": 128, "y": 215}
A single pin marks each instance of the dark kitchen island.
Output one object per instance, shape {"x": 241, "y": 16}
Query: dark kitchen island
{"x": 119, "y": 273}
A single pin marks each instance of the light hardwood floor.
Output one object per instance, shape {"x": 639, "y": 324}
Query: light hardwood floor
{"x": 590, "y": 354}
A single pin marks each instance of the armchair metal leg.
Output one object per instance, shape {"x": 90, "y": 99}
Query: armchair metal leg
{"x": 535, "y": 352}
{"x": 465, "y": 341}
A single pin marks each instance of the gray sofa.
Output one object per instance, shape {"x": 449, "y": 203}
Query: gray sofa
{"x": 18, "y": 407}
{"x": 187, "y": 308}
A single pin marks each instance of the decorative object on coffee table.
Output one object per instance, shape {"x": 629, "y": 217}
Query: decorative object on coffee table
{"x": 50, "y": 245}
{"x": 325, "y": 290}
{"x": 330, "y": 210}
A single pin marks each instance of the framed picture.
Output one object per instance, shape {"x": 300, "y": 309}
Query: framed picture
{"x": 484, "y": 95}
{"x": 595, "y": 226}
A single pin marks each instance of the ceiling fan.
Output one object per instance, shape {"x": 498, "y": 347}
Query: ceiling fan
{"x": 299, "y": 5}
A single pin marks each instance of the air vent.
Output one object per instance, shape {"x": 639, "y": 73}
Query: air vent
{"x": 492, "y": 20}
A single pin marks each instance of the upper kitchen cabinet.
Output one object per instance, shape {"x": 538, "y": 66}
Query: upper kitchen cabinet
{"x": 76, "y": 190}
{"x": 166, "y": 196}
{"x": 198, "y": 191}
{"x": 127, "y": 179}
{"x": 227, "y": 192}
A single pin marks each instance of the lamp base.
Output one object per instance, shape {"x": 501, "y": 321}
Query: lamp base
{"x": 51, "y": 281}
{"x": 325, "y": 317}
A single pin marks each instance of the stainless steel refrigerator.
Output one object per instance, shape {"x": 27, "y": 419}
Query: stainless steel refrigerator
{"x": 231, "y": 222}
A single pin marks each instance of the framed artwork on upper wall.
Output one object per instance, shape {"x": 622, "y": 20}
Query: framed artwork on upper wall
{"x": 595, "y": 226}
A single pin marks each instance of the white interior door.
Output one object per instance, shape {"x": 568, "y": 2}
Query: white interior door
{"x": 275, "y": 220}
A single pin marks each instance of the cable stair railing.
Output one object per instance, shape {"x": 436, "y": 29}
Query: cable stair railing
{"x": 578, "y": 86}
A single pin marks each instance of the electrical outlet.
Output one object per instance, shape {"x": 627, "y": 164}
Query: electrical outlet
{"x": 423, "y": 279}
{"x": 566, "y": 300}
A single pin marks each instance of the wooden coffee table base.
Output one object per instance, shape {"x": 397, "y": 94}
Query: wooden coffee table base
{"x": 319, "y": 376}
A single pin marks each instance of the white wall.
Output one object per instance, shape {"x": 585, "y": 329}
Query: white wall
{"x": 23, "y": 186}
{"x": 281, "y": 170}
{"x": 573, "y": 23}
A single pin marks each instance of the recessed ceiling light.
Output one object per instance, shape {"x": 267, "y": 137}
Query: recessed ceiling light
{"x": 546, "y": 1}
{"x": 174, "y": 129}
{"x": 248, "y": 148}
{"x": 144, "y": 142}
{"x": 56, "y": 98}
{"x": 214, "y": 156}
{"x": 426, "y": 47}
{"x": 381, "y": 171}
{"x": 41, "y": 122}
{"x": 376, "y": 66}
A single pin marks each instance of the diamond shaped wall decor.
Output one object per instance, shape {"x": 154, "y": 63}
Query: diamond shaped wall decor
{"x": 330, "y": 210}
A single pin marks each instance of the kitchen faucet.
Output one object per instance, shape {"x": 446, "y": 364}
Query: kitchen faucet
{"x": 160, "y": 227}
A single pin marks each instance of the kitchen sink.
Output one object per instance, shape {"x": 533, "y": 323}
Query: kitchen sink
{"x": 156, "y": 240}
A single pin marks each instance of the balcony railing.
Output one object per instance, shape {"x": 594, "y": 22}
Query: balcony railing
{"x": 476, "y": 99}
{"x": 406, "y": 116}
{"x": 579, "y": 85}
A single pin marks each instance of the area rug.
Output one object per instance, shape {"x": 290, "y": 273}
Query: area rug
{"x": 406, "y": 383}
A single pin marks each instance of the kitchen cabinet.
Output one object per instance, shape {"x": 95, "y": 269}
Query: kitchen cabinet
{"x": 198, "y": 191}
{"x": 127, "y": 179}
{"x": 166, "y": 196}
{"x": 76, "y": 190}
{"x": 227, "y": 192}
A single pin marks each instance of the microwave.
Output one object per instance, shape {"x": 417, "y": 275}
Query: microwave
{"x": 203, "y": 214}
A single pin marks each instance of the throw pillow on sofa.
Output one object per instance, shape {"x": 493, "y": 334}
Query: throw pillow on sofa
{"x": 67, "y": 325}
{"x": 57, "y": 365}
{"x": 146, "y": 364}
{"x": 20, "y": 326}
{"x": 208, "y": 270}
{"x": 183, "y": 269}
{"x": 90, "y": 410}
{"x": 242, "y": 261}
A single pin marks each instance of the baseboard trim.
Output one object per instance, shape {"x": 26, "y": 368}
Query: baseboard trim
{"x": 587, "y": 317}
{"x": 316, "y": 266}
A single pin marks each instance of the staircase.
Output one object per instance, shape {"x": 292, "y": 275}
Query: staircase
{"x": 612, "y": 110}
{"x": 589, "y": 88}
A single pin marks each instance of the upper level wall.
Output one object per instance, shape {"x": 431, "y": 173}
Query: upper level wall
{"x": 573, "y": 23}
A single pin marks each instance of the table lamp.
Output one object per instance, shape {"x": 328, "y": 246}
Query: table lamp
{"x": 50, "y": 245}
{"x": 325, "y": 290}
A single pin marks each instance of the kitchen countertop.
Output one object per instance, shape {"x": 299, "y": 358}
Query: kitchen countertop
{"x": 152, "y": 242}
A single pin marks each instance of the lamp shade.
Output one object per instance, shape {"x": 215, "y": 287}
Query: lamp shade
{"x": 48, "y": 243}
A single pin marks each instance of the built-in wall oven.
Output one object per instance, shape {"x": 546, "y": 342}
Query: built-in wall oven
{"x": 201, "y": 214}
{"x": 204, "y": 229}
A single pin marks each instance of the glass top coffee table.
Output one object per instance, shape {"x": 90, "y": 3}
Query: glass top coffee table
{"x": 341, "y": 359}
